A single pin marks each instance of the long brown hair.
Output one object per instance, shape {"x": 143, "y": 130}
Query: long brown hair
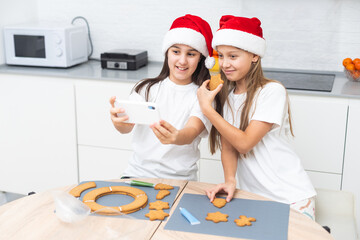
{"x": 255, "y": 79}
{"x": 198, "y": 77}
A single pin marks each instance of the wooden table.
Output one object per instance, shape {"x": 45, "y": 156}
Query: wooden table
{"x": 33, "y": 217}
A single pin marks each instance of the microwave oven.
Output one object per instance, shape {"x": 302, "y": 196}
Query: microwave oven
{"x": 45, "y": 45}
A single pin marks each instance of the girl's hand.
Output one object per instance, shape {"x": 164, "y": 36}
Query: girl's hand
{"x": 119, "y": 122}
{"x": 228, "y": 188}
{"x": 165, "y": 132}
{"x": 205, "y": 96}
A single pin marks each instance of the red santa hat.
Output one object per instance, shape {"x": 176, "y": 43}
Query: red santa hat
{"x": 240, "y": 32}
{"x": 192, "y": 31}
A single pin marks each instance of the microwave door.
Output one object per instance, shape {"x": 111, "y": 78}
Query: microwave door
{"x": 29, "y": 46}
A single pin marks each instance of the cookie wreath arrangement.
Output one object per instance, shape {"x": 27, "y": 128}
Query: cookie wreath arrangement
{"x": 140, "y": 198}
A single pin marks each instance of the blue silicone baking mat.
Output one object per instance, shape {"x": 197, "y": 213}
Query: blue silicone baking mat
{"x": 120, "y": 199}
{"x": 272, "y": 218}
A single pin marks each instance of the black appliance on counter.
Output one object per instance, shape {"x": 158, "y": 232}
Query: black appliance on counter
{"x": 124, "y": 59}
{"x": 308, "y": 81}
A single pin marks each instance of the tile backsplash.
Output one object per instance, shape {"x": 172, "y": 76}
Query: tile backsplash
{"x": 307, "y": 34}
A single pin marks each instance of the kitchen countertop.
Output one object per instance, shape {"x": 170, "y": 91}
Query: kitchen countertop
{"x": 92, "y": 70}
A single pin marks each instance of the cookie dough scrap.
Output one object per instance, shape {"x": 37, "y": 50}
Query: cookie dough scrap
{"x": 76, "y": 191}
{"x": 162, "y": 193}
{"x": 219, "y": 202}
{"x": 215, "y": 81}
{"x": 244, "y": 221}
{"x": 217, "y": 217}
{"x": 162, "y": 186}
{"x": 159, "y": 205}
{"x": 156, "y": 215}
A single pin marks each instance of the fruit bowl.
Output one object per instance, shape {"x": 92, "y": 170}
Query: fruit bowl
{"x": 352, "y": 75}
{"x": 352, "y": 69}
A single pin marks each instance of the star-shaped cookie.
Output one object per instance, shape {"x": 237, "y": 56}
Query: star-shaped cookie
{"x": 219, "y": 202}
{"x": 162, "y": 193}
{"x": 156, "y": 215}
{"x": 158, "y": 205}
{"x": 217, "y": 217}
{"x": 162, "y": 186}
{"x": 244, "y": 221}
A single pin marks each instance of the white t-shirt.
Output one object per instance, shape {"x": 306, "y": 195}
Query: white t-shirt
{"x": 273, "y": 170}
{"x": 151, "y": 158}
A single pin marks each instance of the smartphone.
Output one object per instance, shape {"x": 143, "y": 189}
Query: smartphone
{"x": 139, "y": 112}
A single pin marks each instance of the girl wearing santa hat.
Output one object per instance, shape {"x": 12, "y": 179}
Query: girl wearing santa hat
{"x": 169, "y": 148}
{"x": 251, "y": 121}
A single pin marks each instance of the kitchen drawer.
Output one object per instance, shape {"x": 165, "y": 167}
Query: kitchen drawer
{"x": 325, "y": 180}
{"x": 211, "y": 171}
{"x": 97, "y": 163}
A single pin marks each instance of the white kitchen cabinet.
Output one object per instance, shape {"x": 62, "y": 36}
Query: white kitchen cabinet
{"x": 93, "y": 113}
{"x": 103, "y": 151}
{"x": 324, "y": 180}
{"x": 211, "y": 171}
{"x": 38, "y": 149}
{"x": 319, "y": 125}
{"x": 97, "y": 163}
{"x": 351, "y": 174}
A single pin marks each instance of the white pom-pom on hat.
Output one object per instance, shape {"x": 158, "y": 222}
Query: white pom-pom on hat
{"x": 209, "y": 62}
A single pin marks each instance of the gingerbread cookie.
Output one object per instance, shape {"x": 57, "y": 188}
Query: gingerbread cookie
{"x": 76, "y": 191}
{"x": 158, "y": 205}
{"x": 162, "y": 186}
{"x": 156, "y": 215}
{"x": 219, "y": 202}
{"x": 162, "y": 193}
{"x": 244, "y": 221}
{"x": 215, "y": 81}
{"x": 140, "y": 200}
{"x": 217, "y": 217}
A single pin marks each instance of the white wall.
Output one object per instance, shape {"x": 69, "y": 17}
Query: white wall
{"x": 13, "y": 12}
{"x": 305, "y": 34}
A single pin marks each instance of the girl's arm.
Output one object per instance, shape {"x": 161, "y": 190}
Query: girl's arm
{"x": 242, "y": 141}
{"x": 118, "y": 122}
{"x": 229, "y": 159}
{"x": 167, "y": 134}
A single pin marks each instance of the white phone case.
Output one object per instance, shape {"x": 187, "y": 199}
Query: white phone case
{"x": 139, "y": 112}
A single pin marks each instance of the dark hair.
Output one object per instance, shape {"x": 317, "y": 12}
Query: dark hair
{"x": 199, "y": 76}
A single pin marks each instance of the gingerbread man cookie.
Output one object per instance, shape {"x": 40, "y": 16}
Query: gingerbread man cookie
{"x": 159, "y": 205}
{"x": 162, "y": 186}
{"x": 162, "y": 193}
{"x": 219, "y": 202}
{"x": 217, "y": 217}
{"x": 215, "y": 81}
{"x": 156, "y": 215}
{"x": 244, "y": 221}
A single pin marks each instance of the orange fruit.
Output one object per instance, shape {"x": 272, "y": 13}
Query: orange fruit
{"x": 356, "y": 60}
{"x": 347, "y": 61}
{"x": 350, "y": 67}
{"x": 357, "y": 65}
